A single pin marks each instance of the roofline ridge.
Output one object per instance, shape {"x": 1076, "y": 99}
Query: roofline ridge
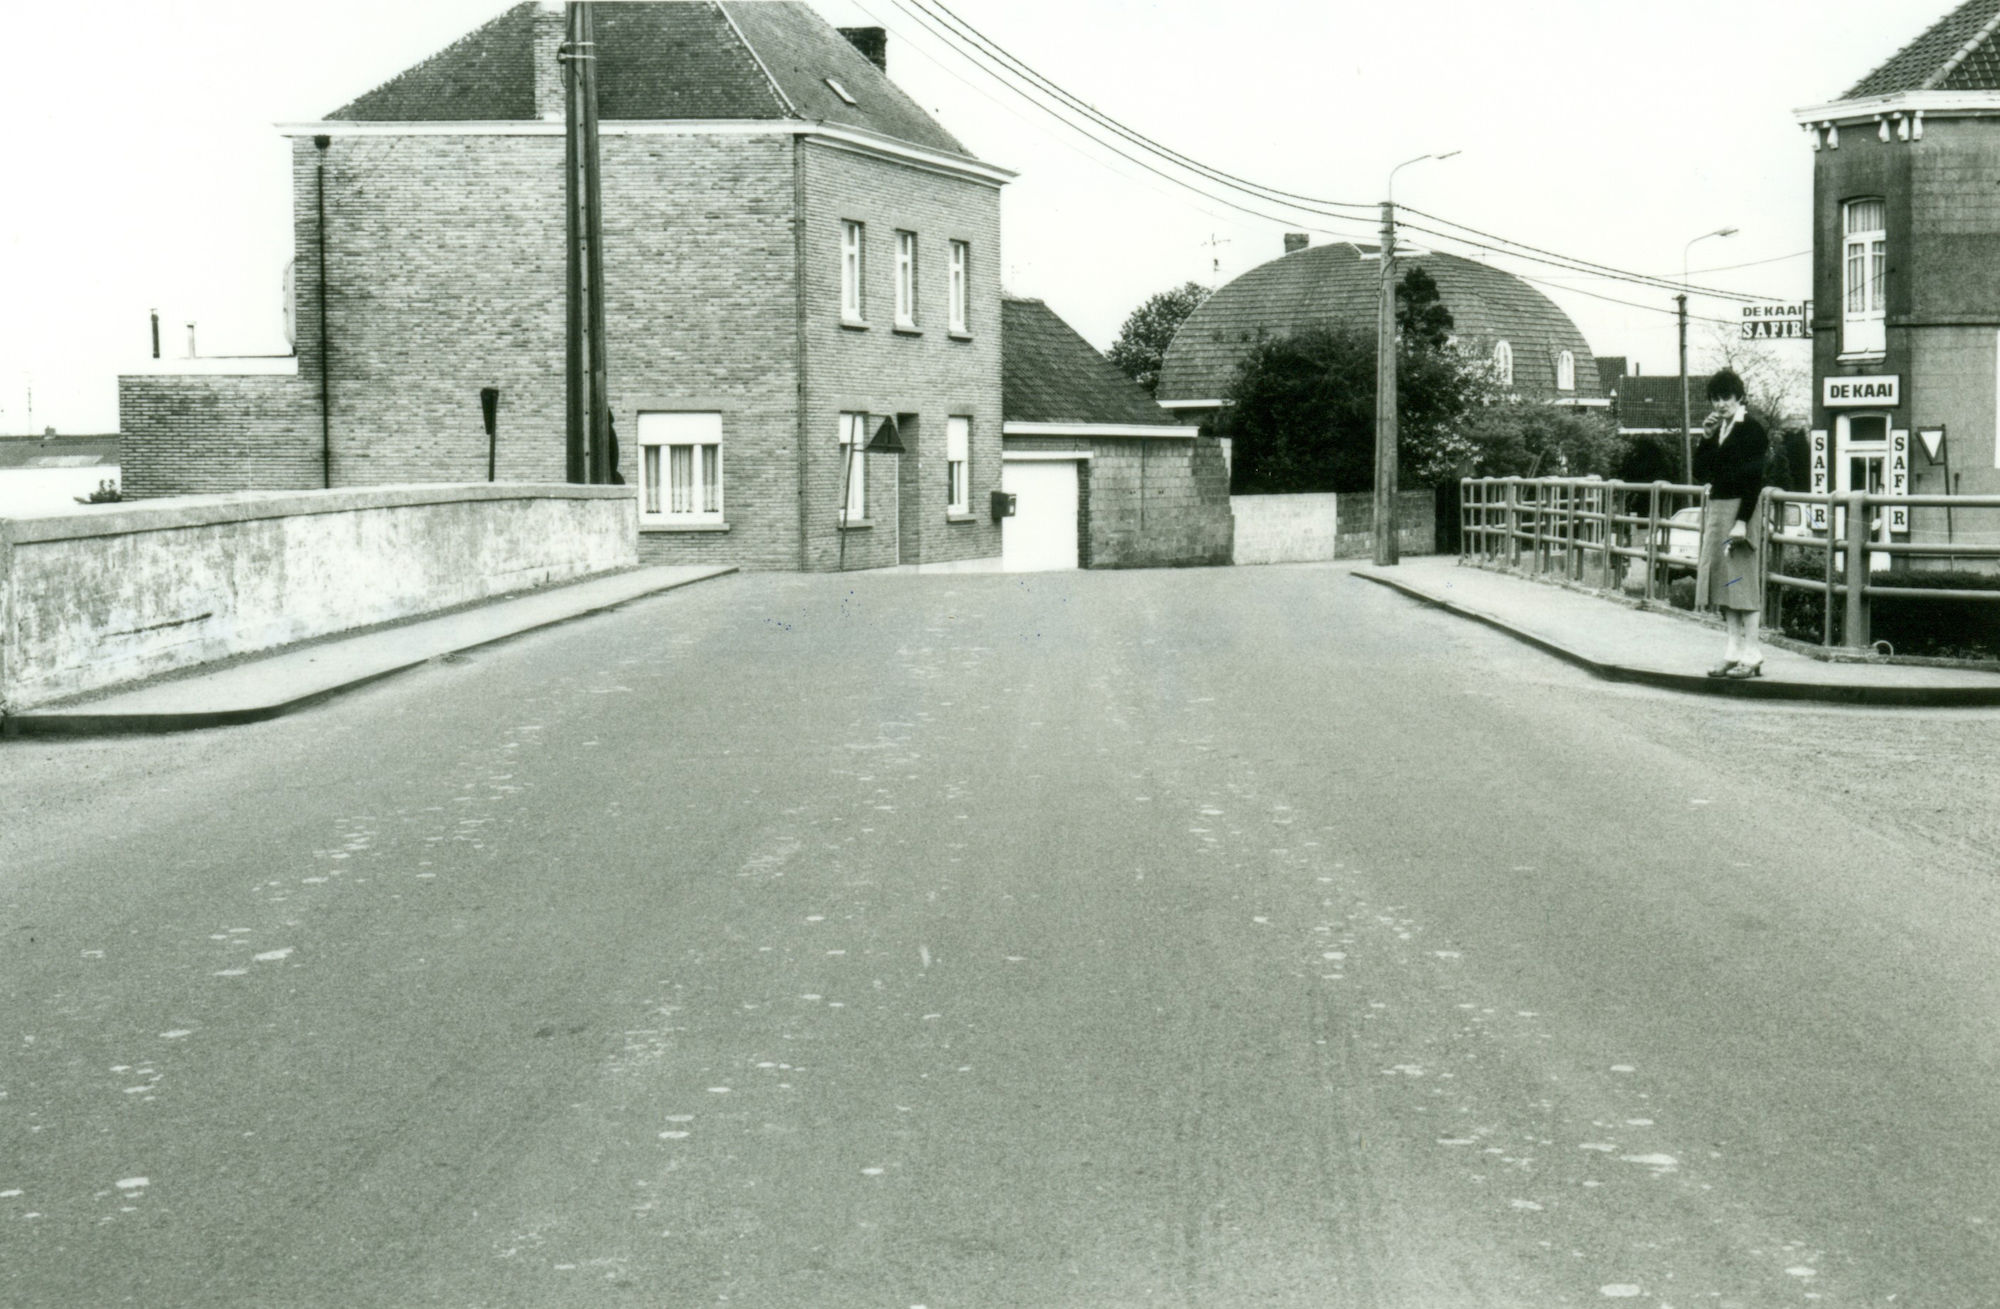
{"x": 1964, "y": 52}
{"x": 777, "y": 92}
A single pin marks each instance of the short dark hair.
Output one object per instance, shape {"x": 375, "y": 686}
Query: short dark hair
{"x": 1725, "y": 385}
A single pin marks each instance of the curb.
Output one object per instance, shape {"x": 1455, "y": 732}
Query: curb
{"x": 1903, "y": 697}
{"x": 81, "y": 722}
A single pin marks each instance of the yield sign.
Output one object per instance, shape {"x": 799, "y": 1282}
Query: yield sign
{"x": 1933, "y": 439}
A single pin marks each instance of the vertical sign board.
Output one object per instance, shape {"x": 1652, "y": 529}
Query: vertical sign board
{"x": 1822, "y": 481}
{"x": 1899, "y": 481}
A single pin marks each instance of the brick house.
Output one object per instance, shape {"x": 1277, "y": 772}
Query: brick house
{"x": 794, "y": 251}
{"x": 1906, "y": 276}
{"x": 1102, "y": 477}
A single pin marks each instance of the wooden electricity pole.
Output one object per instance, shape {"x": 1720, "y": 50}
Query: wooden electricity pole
{"x": 588, "y": 456}
{"x": 1385, "y": 396}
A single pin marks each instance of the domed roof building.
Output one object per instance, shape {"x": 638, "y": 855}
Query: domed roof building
{"x": 1538, "y": 351}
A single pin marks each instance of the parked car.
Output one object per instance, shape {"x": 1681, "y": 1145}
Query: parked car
{"x": 1680, "y": 540}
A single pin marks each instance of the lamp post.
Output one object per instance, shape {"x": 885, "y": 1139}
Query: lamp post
{"x": 1385, "y": 375}
{"x": 1681, "y": 300}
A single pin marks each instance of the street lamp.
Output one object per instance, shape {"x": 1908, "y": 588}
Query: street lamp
{"x": 1385, "y": 374}
{"x": 1681, "y": 300}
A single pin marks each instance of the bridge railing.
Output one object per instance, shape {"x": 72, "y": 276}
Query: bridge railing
{"x": 1595, "y": 532}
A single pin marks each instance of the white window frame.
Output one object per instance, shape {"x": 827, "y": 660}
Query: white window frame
{"x": 854, "y": 467}
{"x": 958, "y": 315}
{"x": 958, "y": 465}
{"x": 661, "y": 433}
{"x": 1566, "y": 371}
{"x": 1503, "y": 362}
{"x": 906, "y": 279}
{"x": 853, "y": 270}
{"x": 1864, "y": 278}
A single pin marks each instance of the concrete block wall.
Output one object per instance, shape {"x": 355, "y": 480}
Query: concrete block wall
{"x": 94, "y": 599}
{"x": 930, "y": 373}
{"x": 1159, "y": 503}
{"x": 1416, "y": 524}
{"x": 208, "y": 433}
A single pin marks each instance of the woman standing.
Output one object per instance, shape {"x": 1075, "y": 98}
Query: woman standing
{"x": 1730, "y": 573}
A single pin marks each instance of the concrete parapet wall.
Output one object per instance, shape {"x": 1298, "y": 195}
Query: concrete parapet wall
{"x": 1285, "y": 529}
{"x": 1297, "y": 529}
{"x": 94, "y": 599}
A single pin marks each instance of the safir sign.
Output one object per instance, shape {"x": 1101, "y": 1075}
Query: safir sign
{"x": 1885, "y": 392}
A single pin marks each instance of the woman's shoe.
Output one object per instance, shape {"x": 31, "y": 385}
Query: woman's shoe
{"x": 1723, "y": 669}
{"x": 1740, "y": 670}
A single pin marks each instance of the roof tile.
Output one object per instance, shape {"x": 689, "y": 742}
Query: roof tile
{"x": 1956, "y": 53}
{"x": 1049, "y": 374}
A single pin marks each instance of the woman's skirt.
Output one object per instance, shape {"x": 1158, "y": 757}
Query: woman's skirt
{"x": 1726, "y": 578}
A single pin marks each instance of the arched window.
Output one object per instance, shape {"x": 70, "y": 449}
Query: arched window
{"x": 1503, "y": 362}
{"x": 1565, "y": 371}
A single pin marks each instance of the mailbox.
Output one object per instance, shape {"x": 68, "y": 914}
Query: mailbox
{"x": 1003, "y": 505}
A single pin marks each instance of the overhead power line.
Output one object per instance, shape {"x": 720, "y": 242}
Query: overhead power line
{"x": 1642, "y": 279}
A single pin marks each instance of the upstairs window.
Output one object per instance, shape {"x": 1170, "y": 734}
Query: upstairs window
{"x": 1565, "y": 371}
{"x": 957, "y": 465}
{"x": 854, "y": 466}
{"x": 1864, "y": 278}
{"x": 853, "y": 266}
{"x": 906, "y": 279}
{"x": 1503, "y": 362}
{"x": 961, "y": 273}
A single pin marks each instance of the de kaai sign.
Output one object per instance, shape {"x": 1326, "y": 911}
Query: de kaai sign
{"x": 1790, "y": 322}
{"x": 1884, "y": 392}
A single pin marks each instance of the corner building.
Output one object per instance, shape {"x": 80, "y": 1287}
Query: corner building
{"x": 1906, "y": 279}
{"x": 794, "y": 252}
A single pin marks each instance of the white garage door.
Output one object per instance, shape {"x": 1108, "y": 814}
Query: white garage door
{"x": 1042, "y": 533}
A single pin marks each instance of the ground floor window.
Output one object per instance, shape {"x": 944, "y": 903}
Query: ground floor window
{"x": 680, "y": 468}
{"x": 854, "y": 466}
{"x": 958, "y": 465}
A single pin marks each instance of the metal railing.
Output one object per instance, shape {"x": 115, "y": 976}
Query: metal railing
{"x": 1595, "y": 532}
{"x": 1586, "y": 529}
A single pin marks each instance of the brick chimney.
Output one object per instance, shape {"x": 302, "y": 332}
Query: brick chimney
{"x": 870, "y": 41}
{"x": 1296, "y": 241}
{"x": 551, "y": 26}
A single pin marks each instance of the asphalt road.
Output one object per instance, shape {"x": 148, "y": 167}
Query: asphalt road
{"x": 1205, "y": 938}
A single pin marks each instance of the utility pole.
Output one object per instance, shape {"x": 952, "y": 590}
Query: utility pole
{"x": 1386, "y": 552}
{"x": 587, "y": 448}
{"x": 1385, "y": 396}
{"x": 1687, "y": 410}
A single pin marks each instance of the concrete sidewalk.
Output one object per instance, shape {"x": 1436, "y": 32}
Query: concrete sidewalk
{"x": 267, "y": 685}
{"x": 1616, "y": 639}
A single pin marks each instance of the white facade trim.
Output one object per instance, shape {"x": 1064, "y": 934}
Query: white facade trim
{"x": 1932, "y": 104}
{"x": 1194, "y": 404}
{"x": 219, "y": 366}
{"x": 1045, "y": 456}
{"x": 1161, "y": 432}
{"x": 856, "y": 139}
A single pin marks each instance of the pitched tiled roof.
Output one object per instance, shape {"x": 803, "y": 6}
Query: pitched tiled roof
{"x": 1332, "y": 285}
{"x": 1049, "y": 374}
{"x": 1652, "y": 403}
{"x": 487, "y": 75}
{"x": 665, "y": 59}
{"x": 1957, "y": 53}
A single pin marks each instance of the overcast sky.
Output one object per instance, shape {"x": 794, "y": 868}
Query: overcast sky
{"x": 139, "y": 167}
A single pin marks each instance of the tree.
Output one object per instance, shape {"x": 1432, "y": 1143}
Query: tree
{"x": 1420, "y": 313}
{"x": 1148, "y": 331}
{"x": 1302, "y": 416}
{"x": 1520, "y": 438}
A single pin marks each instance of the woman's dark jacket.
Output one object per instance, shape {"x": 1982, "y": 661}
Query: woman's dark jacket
{"x": 1734, "y": 469}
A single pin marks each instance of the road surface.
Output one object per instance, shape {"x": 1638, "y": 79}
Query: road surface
{"x": 1197, "y": 938}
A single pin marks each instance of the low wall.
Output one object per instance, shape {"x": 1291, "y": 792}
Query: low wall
{"x": 1297, "y": 529}
{"x": 124, "y": 592}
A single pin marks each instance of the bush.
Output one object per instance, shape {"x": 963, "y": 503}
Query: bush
{"x": 1680, "y": 593}
{"x": 1938, "y": 629}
